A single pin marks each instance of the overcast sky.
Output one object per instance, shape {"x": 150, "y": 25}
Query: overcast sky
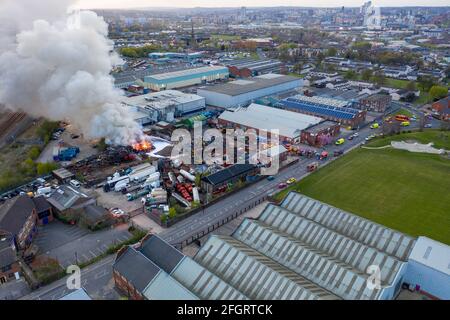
{"x": 251, "y": 3}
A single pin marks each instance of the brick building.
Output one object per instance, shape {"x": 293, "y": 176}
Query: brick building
{"x": 441, "y": 108}
{"x": 9, "y": 264}
{"x": 320, "y": 134}
{"x": 376, "y": 102}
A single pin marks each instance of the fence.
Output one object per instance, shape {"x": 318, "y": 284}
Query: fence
{"x": 210, "y": 228}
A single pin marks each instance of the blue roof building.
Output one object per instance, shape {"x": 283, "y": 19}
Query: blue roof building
{"x": 329, "y": 109}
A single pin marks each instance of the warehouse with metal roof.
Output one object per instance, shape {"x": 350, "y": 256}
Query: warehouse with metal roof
{"x": 300, "y": 249}
{"x": 241, "y": 92}
{"x": 165, "y": 105}
{"x": 327, "y": 108}
{"x": 185, "y": 78}
{"x": 264, "y": 119}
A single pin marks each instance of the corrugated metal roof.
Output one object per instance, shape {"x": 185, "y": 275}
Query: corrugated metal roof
{"x": 264, "y": 118}
{"x": 164, "y": 287}
{"x": 204, "y": 283}
{"x": 362, "y": 230}
{"x": 254, "y": 274}
{"x": 233, "y": 88}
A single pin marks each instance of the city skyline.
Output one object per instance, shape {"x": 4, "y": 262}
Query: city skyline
{"x": 119, "y": 4}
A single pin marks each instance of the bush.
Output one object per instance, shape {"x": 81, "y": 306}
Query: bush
{"x": 34, "y": 152}
{"x": 46, "y": 167}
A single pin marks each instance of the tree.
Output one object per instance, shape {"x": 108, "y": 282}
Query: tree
{"x": 172, "y": 212}
{"x": 331, "y": 52}
{"x": 411, "y": 86}
{"x": 34, "y": 152}
{"x": 29, "y": 167}
{"x": 366, "y": 74}
{"x": 45, "y": 167}
{"x": 438, "y": 92}
{"x": 379, "y": 78}
{"x": 350, "y": 74}
{"x": 198, "y": 179}
{"x": 426, "y": 82}
{"x": 298, "y": 67}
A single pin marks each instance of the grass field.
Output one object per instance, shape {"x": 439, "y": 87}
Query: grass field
{"x": 402, "y": 190}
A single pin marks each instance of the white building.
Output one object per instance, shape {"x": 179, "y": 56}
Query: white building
{"x": 185, "y": 78}
{"x": 429, "y": 268}
{"x": 241, "y": 92}
{"x": 264, "y": 119}
{"x": 163, "y": 105}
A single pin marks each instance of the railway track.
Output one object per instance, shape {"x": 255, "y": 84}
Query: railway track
{"x": 11, "y": 120}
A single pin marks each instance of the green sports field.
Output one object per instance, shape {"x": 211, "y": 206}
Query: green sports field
{"x": 399, "y": 189}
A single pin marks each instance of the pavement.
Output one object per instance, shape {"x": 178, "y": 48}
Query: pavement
{"x": 73, "y": 245}
{"x": 86, "y": 149}
{"x": 13, "y": 290}
{"x": 96, "y": 279}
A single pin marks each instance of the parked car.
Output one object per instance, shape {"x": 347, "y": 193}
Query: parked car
{"x": 428, "y": 125}
{"x": 282, "y": 185}
{"x": 75, "y": 183}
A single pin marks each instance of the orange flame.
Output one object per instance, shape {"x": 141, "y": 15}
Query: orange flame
{"x": 142, "y": 146}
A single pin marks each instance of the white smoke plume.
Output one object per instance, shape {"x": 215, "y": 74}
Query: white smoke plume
{"x": 56, "y": 64}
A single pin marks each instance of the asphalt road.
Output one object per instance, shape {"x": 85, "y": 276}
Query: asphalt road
{"x": 96, "y": 279}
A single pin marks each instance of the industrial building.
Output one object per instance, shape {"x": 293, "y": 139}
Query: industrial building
{"x": 263, "y": 119}
{"x": 327, "y": 108}
{"x": 376, "y": 102}
{"x": 429, "y": 268}
{"x": 320, "y": 134}
{"x": 185, "y": 78}
{"x": 246, "y": 68}
{"x": 242, "y": 92}
{"x": 302, "y": 249}
{"x": 163, "y": 105}
{"x": 229, "y": 175}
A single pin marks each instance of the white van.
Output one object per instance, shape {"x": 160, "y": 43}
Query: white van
{"x": 75, "y": 183}
{"x": 44, "y": 191}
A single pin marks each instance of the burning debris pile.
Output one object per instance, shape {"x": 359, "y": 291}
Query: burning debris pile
{"x": 143, "y": 145}
{"x": 56, "y": 64}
